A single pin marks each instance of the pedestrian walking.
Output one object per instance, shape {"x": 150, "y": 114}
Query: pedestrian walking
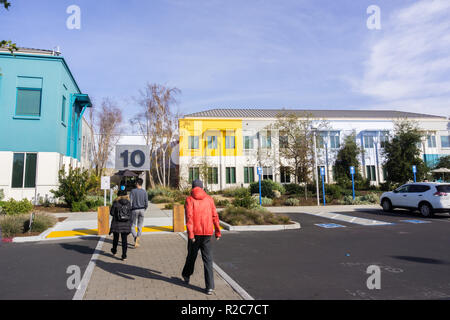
{"x": 121, "y": 222}
{"x": 201, "y": 222}
{"x": 139, "y": 203}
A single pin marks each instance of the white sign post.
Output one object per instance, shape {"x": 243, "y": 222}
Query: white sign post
{"x": 105, "y": 185}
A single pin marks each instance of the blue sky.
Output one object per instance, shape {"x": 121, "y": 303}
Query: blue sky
{"x": 315, "y": 54}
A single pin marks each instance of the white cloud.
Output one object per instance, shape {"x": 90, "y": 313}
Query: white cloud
{"x": 409, "y": 63}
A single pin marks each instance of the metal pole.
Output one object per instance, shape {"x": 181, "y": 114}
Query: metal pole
{"x": 105, "y": 199}
{"x": 323, "y": 189}
{"x": 110, "y": 196}
{"x": 353, "y": 185}
{"x": 315, "y": 170}
{"x": 260, "y": 199}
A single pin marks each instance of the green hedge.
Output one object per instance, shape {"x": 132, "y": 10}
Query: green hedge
{"x": 12, "y": 207}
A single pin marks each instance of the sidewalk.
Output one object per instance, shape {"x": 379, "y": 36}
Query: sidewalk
{"x": 151, "y": 272}
{"x": 85, "y": 223}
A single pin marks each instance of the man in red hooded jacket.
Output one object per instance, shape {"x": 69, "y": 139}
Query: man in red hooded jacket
{"x": 201, "y": 220}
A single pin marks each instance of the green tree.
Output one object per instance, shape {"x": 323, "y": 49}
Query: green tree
{"x": 444, "y": 162}
{"x": 74, "y": 186}
{"x": 346, "y": 157}
{"x": 8, "y": 44}
{"x": 402, "y": 152}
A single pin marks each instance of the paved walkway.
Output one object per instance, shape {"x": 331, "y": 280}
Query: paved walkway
{"x": 152, "y": 271}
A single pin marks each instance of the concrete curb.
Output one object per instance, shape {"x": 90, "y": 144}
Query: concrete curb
{"x": 35, "y": 238}
{"x": 277, "y": 227}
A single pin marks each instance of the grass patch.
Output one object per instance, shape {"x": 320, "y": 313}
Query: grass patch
{"x": 238, "y": 216}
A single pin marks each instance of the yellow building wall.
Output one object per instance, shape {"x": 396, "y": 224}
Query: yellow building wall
{"x": 210, "y": 127}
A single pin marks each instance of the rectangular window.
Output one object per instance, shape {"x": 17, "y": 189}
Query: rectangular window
{"x": 266, "y": 140}
{"x": 28, "y": 102}
{"x": 267, "y": 173}
{"x": 230, "y": 175}
{"x": 193, "y": 174}
{"x": 385, "y": 174}
{"x": 284, "y": 142}
{"x": 24, "y": 170}
{"x": 212, "y": 142}
{"x": 321, "y": 140}
{"x": 335, "y": 140}
{"x": 368, "y": 142}
{"x": 285, "y": 175}
{"x": 249, "y": 174}
{"x": 213, "y": 175}
{"x": 248, "y": 142}
{"x": 431, "y": 141}
{"x": 445, "y": 141}
{"x": 63, "y": 110}
{"x": 371, "y": 173}
{"x": 229, "y": 142}
{"x": 384, "y": 137}
{"x": 193, "y": 142}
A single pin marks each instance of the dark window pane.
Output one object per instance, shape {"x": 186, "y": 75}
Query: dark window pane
{"x": 30, "y": 170}
{"x": 444, "y": 188}
{"x": 17, "y": 174}
{"x": 28, "y": 102}
{"x": 63, "y": 110}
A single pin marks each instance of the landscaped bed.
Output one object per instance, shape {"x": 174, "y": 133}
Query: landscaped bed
{"x": 18, "y": 225}
{"x": 239, "y": 216}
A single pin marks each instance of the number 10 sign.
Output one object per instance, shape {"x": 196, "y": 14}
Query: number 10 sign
{"x": 132, "y": 157}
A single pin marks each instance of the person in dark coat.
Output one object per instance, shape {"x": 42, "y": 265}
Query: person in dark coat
{"x": 120, "y": 226}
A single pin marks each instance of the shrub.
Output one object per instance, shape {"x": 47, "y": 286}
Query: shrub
{"x": 257, "y": 216}
{"x": 12, "y": 207}
{"x": 221, "y": 203}
{"x": 12, "y": 225}
{"x": 84, "y": 207}
{"x": 371, "y": 198}
{"x": 293, "y": 188}
{"x": 2, "y": 195}
{"x": 233, "y": 192}
{"x": 334, "y": 190}
{"x": 75, "y": 186}
{"x": 159, "y": 191}
{"x": 168, "y": 206}
{"x": 76, "y": 207}
{"x": 42, "y": 222}
{"x": 292, "y": 202}
{"x": 246, "y": 201}
{"x": 161, "y": 199}
{"x": 267, "y": 188}
{"x": 264, "y": 200}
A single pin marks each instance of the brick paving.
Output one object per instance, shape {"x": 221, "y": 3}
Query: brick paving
{"x": 153, "y": 272}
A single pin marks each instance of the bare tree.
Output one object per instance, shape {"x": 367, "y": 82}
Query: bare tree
{"x": 158, "y": 123}
{"x": 106, "y": 122}
{"x": 296, "y": 144}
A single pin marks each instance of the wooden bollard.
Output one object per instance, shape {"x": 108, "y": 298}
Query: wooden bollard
{"x": 103, "y": 220}
{"x": 178, "y": 218}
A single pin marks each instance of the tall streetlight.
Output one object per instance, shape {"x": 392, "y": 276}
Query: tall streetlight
{"x": 316, "y": 174}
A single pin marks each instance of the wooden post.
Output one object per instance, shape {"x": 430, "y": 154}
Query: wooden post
{"x": 103, "y": 220}
{"x": 178, "y": 218}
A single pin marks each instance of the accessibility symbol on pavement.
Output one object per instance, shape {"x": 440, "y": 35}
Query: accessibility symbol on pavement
{"x": 416, "y": 221}
{"x": 329, "y": 225}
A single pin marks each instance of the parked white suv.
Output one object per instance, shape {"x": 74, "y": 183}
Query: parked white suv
{"x": 427, "y": 197}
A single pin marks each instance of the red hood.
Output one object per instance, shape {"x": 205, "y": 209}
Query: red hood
{"x": 198, "y": 193}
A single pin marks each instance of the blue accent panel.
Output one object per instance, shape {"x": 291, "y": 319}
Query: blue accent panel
{"x": 44, "y": 133}
{"x": 431, "y": 160}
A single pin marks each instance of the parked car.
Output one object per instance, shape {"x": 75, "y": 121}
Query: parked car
{"x": 427, "y": 197}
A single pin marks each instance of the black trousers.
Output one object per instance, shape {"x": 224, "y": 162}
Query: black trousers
{"x": 124, "y": 236}
{"x": 202, "y": 243}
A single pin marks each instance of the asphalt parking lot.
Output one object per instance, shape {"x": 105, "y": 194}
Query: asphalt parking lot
{"x": 316, "y": 262}
{"x": 37, "y": 271}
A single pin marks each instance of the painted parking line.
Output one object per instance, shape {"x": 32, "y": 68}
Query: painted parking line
{"x": 329, "y": 225}
{"x": 350, "y": 219}
{"x": 415, "y": 221}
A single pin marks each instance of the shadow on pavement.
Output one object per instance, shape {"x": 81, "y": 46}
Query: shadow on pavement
{"x": 129, "y": 272}
{"x": 420, "y": 259}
